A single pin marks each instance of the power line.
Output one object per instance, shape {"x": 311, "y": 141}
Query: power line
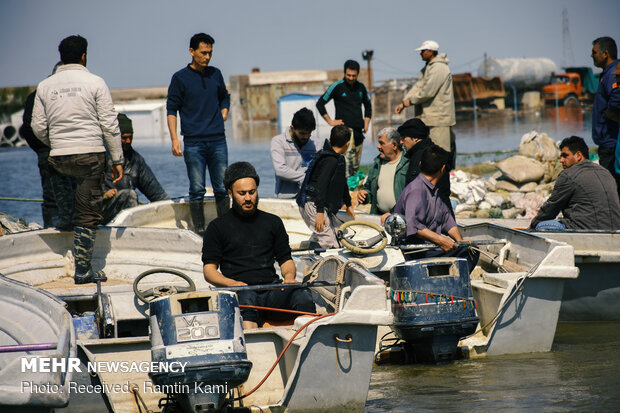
{"x": 392, "y": 66}
{"x": 470, "y": 62}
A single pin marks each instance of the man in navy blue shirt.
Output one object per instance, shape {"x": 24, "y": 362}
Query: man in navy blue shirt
{"x": 198, "y": 93}
{"x": 606, "y": 104}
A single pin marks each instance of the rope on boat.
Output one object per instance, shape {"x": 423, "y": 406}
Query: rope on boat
{"x": 138, "y": 398}
{"x": 489, "y": 256}
{"x": 515, "y": 290}
{"x": 7, "y": 198}
{"x": 282, "y": 354}
{"x": 313, "y": 273}
{"x": 310, "y": 276}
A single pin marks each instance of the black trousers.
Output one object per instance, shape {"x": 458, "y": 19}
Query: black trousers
{"x": 607, "y": 158}
{"x": 298, "y": 299}
{"x": 461, "y": 252}
{"x": 78, "y": 187}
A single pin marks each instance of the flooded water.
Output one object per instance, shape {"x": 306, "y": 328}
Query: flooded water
{"x": 477, "y": 141}
{"x": 580, "y": 374}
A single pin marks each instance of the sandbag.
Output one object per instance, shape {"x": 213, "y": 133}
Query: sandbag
{"x": 498, "y": 200}
{"x": 506, "y": 186}
{"x": 538, "y": 146}
{"x": 521, "y": 169}
{"x": 529, "y": 187}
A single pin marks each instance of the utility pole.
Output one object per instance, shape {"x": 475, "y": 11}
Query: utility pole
{"x": 567, "y": 57}
{"x": 367, "y": 56}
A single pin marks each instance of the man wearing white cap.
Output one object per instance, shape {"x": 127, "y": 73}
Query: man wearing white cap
{"x": 433, "y": 95}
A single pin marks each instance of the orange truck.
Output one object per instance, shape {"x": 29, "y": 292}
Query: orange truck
{"x": 576, "y": 85}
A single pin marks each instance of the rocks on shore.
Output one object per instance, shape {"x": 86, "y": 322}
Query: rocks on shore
{"x": 520, "y": 187}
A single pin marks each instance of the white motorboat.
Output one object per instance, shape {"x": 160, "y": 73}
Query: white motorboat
{"x": 327, "y": 366}
{"x": 35, "y": 329}
{"x": 595, "y": 295}
{"x": 493, "y": 286}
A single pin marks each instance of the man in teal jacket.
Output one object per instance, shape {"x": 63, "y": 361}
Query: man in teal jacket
{"x": 387, "y": 176}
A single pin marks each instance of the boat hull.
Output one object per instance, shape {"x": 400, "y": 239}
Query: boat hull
{"x": 332, "y": 357}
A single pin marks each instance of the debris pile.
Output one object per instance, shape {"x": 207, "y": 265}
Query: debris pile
{"x": 10, "y": 225}
{"x": 520, "y": 187}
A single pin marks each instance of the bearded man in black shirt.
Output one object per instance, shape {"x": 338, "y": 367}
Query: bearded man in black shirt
{"x": 245, "y": 243}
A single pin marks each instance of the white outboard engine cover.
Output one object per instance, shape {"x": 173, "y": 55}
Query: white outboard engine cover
{"x": 203, "y": 329}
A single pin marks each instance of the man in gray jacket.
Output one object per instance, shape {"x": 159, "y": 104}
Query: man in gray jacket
{"x": 584, "y": 192}
{"x": 291, "y": 153}
{"x": 73, "y": 114}
{"x": 433, "y": 96}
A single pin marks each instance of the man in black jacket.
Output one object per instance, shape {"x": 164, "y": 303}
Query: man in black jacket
{"x": 137, "y": 175}
{"x": 325, "y": 189}
{"x": 349, "y": 96}
{"x": 49, "y": 209}
{"x": 414, "y": 137}
{"x": 584, "y": 192}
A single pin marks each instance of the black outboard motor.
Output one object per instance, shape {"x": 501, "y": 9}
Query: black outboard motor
{"x": 433, "y": 306}
{"x": 203, "y": 329}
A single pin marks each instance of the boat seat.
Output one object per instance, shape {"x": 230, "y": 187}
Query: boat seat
{"x": 501, "y": 280}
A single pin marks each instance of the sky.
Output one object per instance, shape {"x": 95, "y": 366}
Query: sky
{"x": 141, "y": 43}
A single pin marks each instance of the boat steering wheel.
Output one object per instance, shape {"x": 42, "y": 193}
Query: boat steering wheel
{"x": 363, "y": 247}
{"x": 161, "y": 290}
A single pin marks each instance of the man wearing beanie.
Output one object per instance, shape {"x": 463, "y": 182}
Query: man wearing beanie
{"x": 137, "y": 175}
{"x": 414, "y": 137}
{"x": 433, "y": 96}
{"x": 241, "y": 247}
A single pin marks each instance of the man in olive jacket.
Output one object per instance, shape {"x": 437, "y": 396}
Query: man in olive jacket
{"x": 584, "y": 192}
{"x": 433, "y": 96}
{"x": 387, "y": 176}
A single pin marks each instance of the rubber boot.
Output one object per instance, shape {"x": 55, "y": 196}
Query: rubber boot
{"x": 83, "y": 245}
{"x": 222, "y": 205}
{"x": 196, "y": 210}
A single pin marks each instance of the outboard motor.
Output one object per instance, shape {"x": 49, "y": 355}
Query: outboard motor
{"x": 433, "y": 306}
{"x": 203, "y": 329}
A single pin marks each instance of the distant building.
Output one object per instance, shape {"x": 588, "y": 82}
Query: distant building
{"x": 148, "y": 116}
{"x": 255, "y": 97}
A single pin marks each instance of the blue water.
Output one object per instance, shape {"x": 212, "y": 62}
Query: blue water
{"x": 580, "y": 374}
{"x": 19, "y": 175}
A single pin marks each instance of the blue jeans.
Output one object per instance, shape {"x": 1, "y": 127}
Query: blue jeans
{"x": 551, "y": 225}
{"x": 199, "y": 154}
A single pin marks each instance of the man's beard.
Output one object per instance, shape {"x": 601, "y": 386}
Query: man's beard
{"x": 298, "y": 142}
{"x": 245, "y": 213}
